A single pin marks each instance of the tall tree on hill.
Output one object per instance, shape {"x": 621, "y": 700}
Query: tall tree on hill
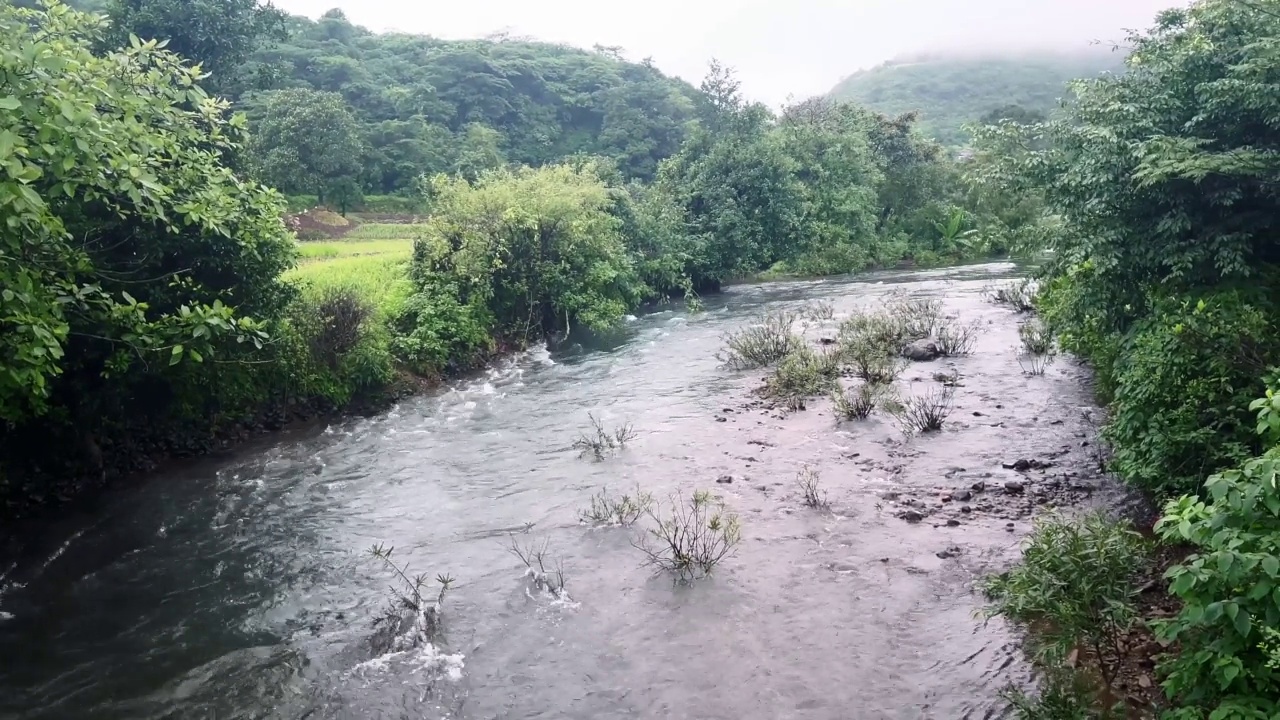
{"x": 308, "y": 142}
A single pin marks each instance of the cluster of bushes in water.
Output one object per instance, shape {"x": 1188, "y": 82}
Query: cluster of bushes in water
{"x": 1159, "y": 204}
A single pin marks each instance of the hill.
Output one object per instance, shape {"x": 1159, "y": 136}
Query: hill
{"x": 416, "y": 97}
{"x": 950, "y": 91}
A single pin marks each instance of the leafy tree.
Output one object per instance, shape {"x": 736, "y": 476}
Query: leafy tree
{"x": 840, "y": 175}
{"x": 308, "y": 141}
{"x": 479, "y": 149}
{"x": 219, "y": 35}
{"x": 736, "y": 186}
{"x": 528, "y": 251}
{"x": 128, "y": 244}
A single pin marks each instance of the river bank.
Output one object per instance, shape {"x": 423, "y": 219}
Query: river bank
{"x": 239, "y": 588}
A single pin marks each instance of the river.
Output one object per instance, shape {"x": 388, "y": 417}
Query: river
{"x": 240, "y": 587}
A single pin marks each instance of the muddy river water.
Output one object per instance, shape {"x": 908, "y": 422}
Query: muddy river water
{"x": 239, "y": 587}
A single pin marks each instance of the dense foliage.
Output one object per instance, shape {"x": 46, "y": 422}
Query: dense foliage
{"x": 129, "y": 246}
{"x": 423, "y": 103}
{"x": 1158, "y": 194}
{"x": 950, "y": 92}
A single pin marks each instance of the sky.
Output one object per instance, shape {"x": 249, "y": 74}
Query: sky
{"x": 780, "y": 48}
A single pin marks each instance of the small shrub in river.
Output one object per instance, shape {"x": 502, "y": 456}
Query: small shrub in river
{"x": 917, "y": 317}
{"x": 761, "y": 344}
{"x": 413, "y": 616}
{"x": 854, "y": 404}
{"x": 870, "y": 360}
{"x": 1035, "y": 364}
{"x": 802, "y": 374}
{"x": 608, "y": 510}
{"x": 926, "y": 413}
{"x": 696, "y": 536}
{"x": 601, "y": 443}
{"x": 955, "y": 339}
{"x": 536, "y": 559}
{"x": 810, "y": 485}
{"x": 1020, "y": 296}
{"x": 819, "y": 310}
{"x": 1037, "y": 339}
{"x": 883, "y": 332}
{"x": 1076, "y": 585}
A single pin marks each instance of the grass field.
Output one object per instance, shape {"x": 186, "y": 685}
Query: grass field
{"x": 384, "y": 231}
{"x": 319, "y": 250}
{"x": 372, "y": 259}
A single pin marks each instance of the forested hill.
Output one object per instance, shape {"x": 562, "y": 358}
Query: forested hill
{"x": 950, "y": 91}
{"x": 424, "y": 103}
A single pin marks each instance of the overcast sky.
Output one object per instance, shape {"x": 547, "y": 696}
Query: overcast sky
{"x": 780, "y": 48}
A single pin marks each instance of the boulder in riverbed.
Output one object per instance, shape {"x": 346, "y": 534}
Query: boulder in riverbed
{"x": 921, "y": 351}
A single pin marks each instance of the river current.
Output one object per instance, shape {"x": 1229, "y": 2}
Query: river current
{"x": 240, "y": 586}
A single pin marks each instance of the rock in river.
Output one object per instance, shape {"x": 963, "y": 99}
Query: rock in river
{"x": 921, "y": 351}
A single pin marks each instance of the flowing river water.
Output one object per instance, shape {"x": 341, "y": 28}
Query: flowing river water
{"x": 239, "y": 587}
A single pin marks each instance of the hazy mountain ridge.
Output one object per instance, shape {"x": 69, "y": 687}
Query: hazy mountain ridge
{"x": 950, "y": 90}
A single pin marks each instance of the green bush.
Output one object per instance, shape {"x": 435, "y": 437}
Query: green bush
{"x": 435, "y": 332}
{"x": 766, "y": 341}
{"x": 1229, "y": 588}
{"x": 1183, "y": 382}
{"x": 1076, "y": 586}
{"x": 1063, "y": 694}
{"x": 801, "y": 375}
{"x": 537, "y": 249}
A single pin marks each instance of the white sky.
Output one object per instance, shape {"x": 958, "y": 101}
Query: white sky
{"x": 780, "y": 48}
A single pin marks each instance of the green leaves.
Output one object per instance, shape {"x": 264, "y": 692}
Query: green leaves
{"x": 88, "y": 182}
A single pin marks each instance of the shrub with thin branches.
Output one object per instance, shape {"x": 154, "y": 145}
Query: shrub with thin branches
{"x": 918, "y": 317}
{"x": 340, "y": 315}
{"x": 536, "y": 559}
{"x": 413, "y": 616}
{"x": 762, "y": 343}
{"x": 606, "y": 509}
{"x": 1036, "y": 338}
{"x": 870, "y": 362}
{"x": 880, "y": 331}
{"x": 809, "y": 483}
{"x": 926, "y": 412}
{"x": 819, "y": 310}
{"x": 1020, "y": 295}
{"x": 856, "y": 403}
{"x": 601, "y": 443}
{"x": 955, "y": 339}
{"x": 697, "y": 535}
{"x": 1035, "y": 365}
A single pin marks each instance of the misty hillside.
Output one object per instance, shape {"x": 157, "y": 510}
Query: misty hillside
{"x": 951, "y": 91}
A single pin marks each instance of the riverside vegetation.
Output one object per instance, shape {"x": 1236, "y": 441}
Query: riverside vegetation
{"x": 155, "y": 300}
{"x": 157, "y": 303}
{"x": 1159, "y": 204}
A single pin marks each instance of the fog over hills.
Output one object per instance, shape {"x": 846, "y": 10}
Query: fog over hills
{"x": 794, "y": 49}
